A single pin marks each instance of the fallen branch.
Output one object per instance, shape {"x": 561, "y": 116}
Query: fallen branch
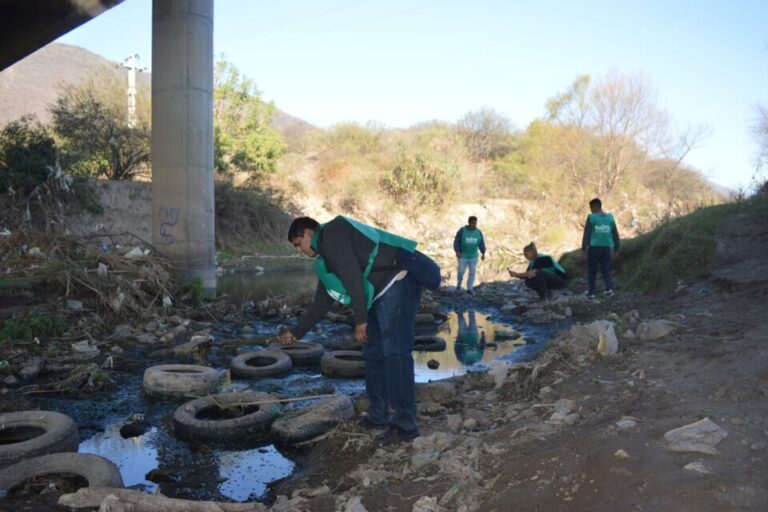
{"x": 127, "y": 500}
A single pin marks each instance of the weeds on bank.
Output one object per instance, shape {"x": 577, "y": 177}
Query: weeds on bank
{"x": 681, "y": 248}
{"x": 33, "y": 325}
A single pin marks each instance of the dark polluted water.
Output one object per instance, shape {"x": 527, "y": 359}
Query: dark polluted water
{"x": 157, "y": 461}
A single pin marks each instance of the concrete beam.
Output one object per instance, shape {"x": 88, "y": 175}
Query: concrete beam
{"x": 28, "y": 25}
{"x": 182, "y": 135}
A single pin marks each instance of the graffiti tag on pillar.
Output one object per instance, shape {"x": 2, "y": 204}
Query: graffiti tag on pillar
{"x": 168, "y": 219}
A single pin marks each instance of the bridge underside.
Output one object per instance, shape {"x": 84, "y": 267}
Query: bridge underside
{"x": 28, "y": 25}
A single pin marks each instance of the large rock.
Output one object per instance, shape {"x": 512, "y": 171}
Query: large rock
{"x": 654, "y": 329}
{"x": 440, "y": 392}
{"x": 701, "y": 437}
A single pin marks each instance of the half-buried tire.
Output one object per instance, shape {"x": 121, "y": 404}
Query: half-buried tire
{"x": 228, "y": 417}
{"x": 301, "y": 353}
{"x": 27, "y": 434}
{"x": 260, "y": 364}
{"x": 94, "y": 470}
{"x": 304, "y": 424}
{"x": 428, "y": 344}
{"x": 182, "y": 380}
{"x": 343, "y": 363}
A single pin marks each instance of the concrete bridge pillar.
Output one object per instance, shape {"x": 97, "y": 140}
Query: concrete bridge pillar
{"x": 182, "y": 136}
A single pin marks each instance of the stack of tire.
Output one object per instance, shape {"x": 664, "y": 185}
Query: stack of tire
{"x": 36, "y": 444}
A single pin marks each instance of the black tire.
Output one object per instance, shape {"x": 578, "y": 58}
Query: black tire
{"x": 506, "y": 334}
{"x": 182, "y": 380}
{"x": 425, "y": 318}
{"x": 260, "y": 364}
{"x": 429, "y": 344}
{"x": 301, "y": 353}
{"x": 27, "y": 434}
{"x": 97, "y": 471}
{"x": 226, "y": 417}
{"x": 304, "y": 424}
{"x": 347, "y": 364}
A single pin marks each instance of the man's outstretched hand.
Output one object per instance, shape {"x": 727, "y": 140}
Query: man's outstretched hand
{"x": 286, "y": 338}
{"x": 360, "y": 335}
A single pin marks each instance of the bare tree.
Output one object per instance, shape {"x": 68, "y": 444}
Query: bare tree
{"x": 486, "y": 133}
{"x": 631, "y": 130}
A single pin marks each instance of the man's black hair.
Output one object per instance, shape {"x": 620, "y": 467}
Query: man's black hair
{"x": 299, "y": 224}
{"x": 472, "y": 218}
{"x": 596, "y": 202}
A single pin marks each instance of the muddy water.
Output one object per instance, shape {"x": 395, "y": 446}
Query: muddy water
{"x": 157, "y": 460}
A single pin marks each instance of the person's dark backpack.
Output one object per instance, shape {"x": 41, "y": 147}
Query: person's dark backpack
{"x": 421, "y": 267}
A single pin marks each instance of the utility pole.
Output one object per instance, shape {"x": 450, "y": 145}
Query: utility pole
{"x": 131, "y": 63}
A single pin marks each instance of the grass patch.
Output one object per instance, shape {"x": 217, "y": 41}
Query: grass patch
{"x": 681, "y": 248}
{"x": 33, "y": 325}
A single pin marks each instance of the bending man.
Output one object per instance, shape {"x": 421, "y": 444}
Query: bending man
{"x": 357, "y": 265}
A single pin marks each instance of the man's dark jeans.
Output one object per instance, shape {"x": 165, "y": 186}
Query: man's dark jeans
{"x": 388, "y": 355}
{"x": 544, "y": 281}
{"x": 599, "y": 257}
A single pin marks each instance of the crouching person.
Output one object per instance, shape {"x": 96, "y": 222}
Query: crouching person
{"x": 543, "y": 274}
{"x": 380, "y": 276}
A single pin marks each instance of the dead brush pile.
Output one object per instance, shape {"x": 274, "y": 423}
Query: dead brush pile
{"x": 86, "y": 272}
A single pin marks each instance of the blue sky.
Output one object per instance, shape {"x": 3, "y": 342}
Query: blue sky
{"x": 400, "y": 62}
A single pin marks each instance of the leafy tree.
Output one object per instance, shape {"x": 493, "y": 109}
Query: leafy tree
{"x": 244, "y": 139}
{"x": 420, "y": 179}
{"x": 352, "y": 138}
{"x": 91, "y": 123}
{"x": 27, "y": 153}
{"x": 486, "y": 133}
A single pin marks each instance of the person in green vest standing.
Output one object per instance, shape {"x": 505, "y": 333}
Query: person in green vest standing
{"x": 543, "y": 274}
{"x": 600, "y": 239}
{"x": 466, "y": 244}
{"x": 357, "y": 265}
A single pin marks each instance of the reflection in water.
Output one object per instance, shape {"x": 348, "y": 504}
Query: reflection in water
{"x": 471, "y": 344}
{"x": 134, "y": 456}
{"x": 248, "y": 472}
{"x": 244, "y": 474}
{"x": 245, "y": 286}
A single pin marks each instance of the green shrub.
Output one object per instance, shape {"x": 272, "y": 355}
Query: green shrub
{"x": 27, "y": 152}
{"x": 33, "y": 325}
{"x": 421, "y": 179}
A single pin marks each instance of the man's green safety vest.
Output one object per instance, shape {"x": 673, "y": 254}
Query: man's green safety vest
{"x": 602, "y": 230}
{"x": 557, "y": 266}
{"x": 470, "y": 240}
{"x": 331, "y": 281}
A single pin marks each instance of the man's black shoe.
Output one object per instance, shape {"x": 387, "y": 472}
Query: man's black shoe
{"x": 364, "y": 422}
{"x": 395, "y": 435}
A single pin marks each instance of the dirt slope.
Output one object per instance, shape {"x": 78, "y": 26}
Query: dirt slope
{"x": 508, "y": 451}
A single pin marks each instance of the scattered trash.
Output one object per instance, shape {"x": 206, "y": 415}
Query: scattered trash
{"x": 697, "y": 466}
{"x": 74, "y": 305}
{"x": 607, "y": 343}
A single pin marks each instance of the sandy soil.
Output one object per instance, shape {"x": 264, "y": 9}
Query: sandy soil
{"x": 511, "y": 455}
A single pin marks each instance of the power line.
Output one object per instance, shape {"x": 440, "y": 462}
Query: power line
{"x": 307, "y": 15}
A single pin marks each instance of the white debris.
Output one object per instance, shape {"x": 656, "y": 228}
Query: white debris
{"x": 701, "y": 436}
{"x": 654, "y": 329}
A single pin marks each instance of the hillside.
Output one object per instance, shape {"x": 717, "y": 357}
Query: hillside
{"x": 29, "y": 86}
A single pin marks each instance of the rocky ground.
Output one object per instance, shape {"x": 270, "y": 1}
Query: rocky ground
{"x": 578, "y": 429}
